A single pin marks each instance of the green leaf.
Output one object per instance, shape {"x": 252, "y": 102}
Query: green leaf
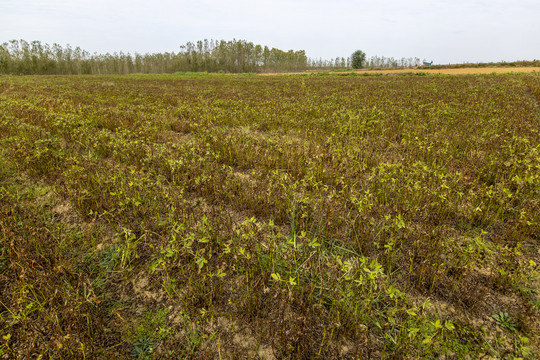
{"x": 413, "y": 332}
{"x": 411, "y": 312}
{"x": 201, "y": 261}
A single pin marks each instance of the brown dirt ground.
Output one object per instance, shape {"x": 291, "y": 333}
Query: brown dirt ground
{"x": 458, "y": 71}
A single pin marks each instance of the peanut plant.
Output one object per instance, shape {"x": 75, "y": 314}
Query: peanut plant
{"x": 302, "y": 217}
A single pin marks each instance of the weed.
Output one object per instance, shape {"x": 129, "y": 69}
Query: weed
{"x": 143, "y": 348}
{"x": 505, "y": 321}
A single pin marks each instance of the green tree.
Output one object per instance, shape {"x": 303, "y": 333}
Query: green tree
{"x": 358, "y": 59}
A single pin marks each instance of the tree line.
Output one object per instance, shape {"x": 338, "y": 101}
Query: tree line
{"x": 235, "y": 56}
{"x": 390, "y": 62}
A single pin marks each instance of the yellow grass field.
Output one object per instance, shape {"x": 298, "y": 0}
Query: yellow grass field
{"x": 459, "y": 71}
{"x": 487, "y": 70}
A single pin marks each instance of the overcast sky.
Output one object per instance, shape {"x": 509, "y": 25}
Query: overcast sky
{"x": 453, "y": 31}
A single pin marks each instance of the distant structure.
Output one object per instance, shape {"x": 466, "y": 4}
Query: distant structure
{"x": 428, "y": 63}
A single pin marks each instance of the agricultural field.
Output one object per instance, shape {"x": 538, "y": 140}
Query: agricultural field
{"x": 251, "y": 217}
{"x": 460, "y": 71}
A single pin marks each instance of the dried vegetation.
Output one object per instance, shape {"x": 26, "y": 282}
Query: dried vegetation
{"x": 298, "y": 217}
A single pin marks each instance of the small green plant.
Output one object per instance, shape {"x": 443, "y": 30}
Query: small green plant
{"x": 5, "y": 348}
{"x": 522, "y": 347}
{"x": 505, "y": 321}
{"x": 143, "y": 348}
